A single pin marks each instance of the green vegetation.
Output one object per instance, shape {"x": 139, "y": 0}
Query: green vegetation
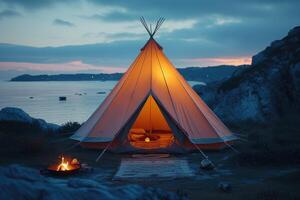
{"x": 275, "y": 143}
{"x": 24, "y": 138}
{"x": 69, "y": 127}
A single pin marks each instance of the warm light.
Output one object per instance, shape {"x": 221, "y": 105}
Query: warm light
{"x": 63, "y": 166}
{"x": 219, "y": 61}
{"x": 74, "y": 162}
{"x": 147, "y": 139}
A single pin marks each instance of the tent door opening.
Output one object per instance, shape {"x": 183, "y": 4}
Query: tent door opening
{"x": 150, "y": 129}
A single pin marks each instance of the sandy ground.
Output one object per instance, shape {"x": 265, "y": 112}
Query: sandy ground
{"x": 248, "y": 182}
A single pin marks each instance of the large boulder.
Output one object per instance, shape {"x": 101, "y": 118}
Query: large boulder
{"x": 17, "y": 115}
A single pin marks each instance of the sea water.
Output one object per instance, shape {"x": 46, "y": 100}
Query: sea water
{"x": 41, "y": 99}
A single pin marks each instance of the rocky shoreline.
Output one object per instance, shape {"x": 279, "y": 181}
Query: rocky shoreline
{"x": 264, "y": 91}
{"x": 19, "y": 181}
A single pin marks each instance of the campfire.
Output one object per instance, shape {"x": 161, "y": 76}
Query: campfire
{"x": 66, "y": 166}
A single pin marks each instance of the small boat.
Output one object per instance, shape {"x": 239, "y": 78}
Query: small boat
{"x": 62, "y": 98}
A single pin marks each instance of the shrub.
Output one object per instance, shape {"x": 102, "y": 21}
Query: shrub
{"x": 19, "y": 137}
{"x": 275, "y": 143}
{"x": 69, "y": 127}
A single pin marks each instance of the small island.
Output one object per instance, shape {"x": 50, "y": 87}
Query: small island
{"x": 69, "y": 77}
{"x": 202, "y": 74}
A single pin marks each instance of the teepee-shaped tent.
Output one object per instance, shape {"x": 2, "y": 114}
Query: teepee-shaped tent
{"x": 152, "y": 108}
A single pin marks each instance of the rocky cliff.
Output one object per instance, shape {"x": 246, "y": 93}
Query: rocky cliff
{"x": 264, "y": 91}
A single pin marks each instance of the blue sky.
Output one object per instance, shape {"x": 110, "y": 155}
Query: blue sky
{"x": 57, "y": 36}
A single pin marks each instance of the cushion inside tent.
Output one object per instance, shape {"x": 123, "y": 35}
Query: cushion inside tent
{"x": 150, "y": 129}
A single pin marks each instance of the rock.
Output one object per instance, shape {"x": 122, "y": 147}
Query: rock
{"x": 207, "y": 93}
{"x": 53, "y": 127}
{"x": 258, "y": 58}
{"x": 295, "y": 31}
{"x": 15, "y": 114}
{"x": 224, "y": 187}
{"x": 11, "y": 114}
{"x": 21, "y": 182}
{"x": 206, "y": 164}
{"x": 86, "y": 168}
{"x": 19, "y": 172}
{"x": 80, "y": 183}
{"x": 277, "y": 44}
{"x": 156, "y": 193}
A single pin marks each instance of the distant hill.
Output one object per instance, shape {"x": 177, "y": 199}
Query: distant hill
{"x": 207, "y": 74}
{"x": 69, "y": 77}
{"x": 203, "y": 74}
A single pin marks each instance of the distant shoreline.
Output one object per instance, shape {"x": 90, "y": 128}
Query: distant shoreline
{"x": 202, "y": 74}
{"x": 68, "y": 77}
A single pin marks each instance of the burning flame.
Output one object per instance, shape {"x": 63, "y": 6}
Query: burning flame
{"x": 63, "y": 166}
{"x": 147, "y": 139}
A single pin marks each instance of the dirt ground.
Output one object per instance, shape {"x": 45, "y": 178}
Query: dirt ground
{"x": 247, "y": 182}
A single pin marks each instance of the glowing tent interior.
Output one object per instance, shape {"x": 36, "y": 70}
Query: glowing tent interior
{"x": 153, "y": 109}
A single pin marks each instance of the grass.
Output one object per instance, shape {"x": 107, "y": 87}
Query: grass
{"x": 42, "y": 149}
{"x": 267, "y": 144}
{"x": 29, "y": 139}
{"x": 275, "y": 143}
{"x": 18, "y": 137}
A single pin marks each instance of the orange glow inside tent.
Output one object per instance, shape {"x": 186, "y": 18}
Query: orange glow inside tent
{"x": 150, "y": 130}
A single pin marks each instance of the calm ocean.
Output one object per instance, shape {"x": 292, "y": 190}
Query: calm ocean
{"x": 40, "y": 99}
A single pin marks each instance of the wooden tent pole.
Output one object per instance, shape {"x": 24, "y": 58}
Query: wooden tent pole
{"x": 150, "y": 116}
{"x": 104, "y": 150}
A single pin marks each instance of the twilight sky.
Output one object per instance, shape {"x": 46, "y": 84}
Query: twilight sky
{"x": 57, "y": 36}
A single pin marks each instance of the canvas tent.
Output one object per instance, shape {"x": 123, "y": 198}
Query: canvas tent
{"x": 152, "y": 108}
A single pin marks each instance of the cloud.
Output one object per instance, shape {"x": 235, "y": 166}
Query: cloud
{"x": 61, "y": 22}
{"x": 8, "y": 14}
{"x": 112, "y": 37}
{"x": 119, "y": 53}
{"x": 117, "y": 16}
{"x": 174, "y": 25}
{"x": 108, "y": 32}
{"x": 217, "y": 61}
{"x": 217, "y": 20}
{"x": 73, "y": 66}
{"x": 197, "y": 8}
{"x": 114, "y": 14}
{"x": 34, "y": 4}
{"x": 137, "y": 32}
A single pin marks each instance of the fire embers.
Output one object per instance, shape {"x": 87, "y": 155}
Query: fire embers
{"x": 65, "y": 166}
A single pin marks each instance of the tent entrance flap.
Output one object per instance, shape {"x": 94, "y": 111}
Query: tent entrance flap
{"x": 150, "y": 129}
